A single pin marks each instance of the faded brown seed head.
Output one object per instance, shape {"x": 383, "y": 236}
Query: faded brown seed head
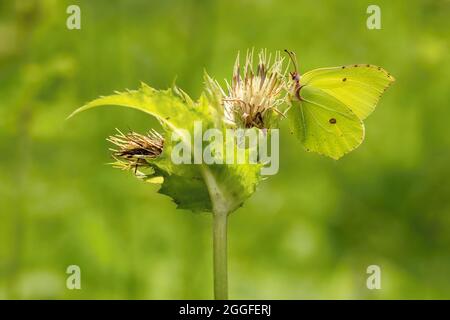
{"x": 134, "y": 149}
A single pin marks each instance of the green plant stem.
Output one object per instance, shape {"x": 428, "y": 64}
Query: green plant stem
{"x": 220, "y": 222}
{"x": 221, "y": 209}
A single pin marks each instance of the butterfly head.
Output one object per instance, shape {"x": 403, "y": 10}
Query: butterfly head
{"x": 295, "y": 76}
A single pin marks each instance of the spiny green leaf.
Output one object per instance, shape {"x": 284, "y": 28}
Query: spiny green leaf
{"x": 165, "y": 105}
{"x": 186, "y": 183}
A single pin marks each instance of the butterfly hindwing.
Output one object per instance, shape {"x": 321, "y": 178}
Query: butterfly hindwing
{"x": 324, "y": 124}
{"x": 358, "y": 86}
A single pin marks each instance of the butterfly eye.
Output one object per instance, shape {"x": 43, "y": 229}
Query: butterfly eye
{"x": 295, "y": 76}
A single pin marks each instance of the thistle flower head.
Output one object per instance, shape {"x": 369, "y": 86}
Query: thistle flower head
{"x": 134, "y": 149}
{"x": 252, "y": 96}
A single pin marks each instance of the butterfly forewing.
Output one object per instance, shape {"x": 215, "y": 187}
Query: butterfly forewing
{"x": 358, "y": 86}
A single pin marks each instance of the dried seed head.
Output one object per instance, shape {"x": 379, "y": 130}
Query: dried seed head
{"x": 252, "y": 94}
{"x": 135, "y": 149}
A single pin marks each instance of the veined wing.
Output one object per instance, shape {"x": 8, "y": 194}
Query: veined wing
{"x": 358, "y": 86}
{"x": 324, "y": 124}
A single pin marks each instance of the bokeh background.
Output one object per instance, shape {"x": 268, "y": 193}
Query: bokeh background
{"x": 308, "y": 233}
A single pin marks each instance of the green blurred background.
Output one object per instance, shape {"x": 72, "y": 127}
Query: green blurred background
{"x": 309, "y": 232}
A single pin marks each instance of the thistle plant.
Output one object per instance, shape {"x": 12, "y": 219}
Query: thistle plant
{"x": 325, "y": 108}
{"x": 250, "y": 99}
{"x": 134, "y": 151}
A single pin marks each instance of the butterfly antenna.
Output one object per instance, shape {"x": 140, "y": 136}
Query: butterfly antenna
{"x": 293, "y": 58}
